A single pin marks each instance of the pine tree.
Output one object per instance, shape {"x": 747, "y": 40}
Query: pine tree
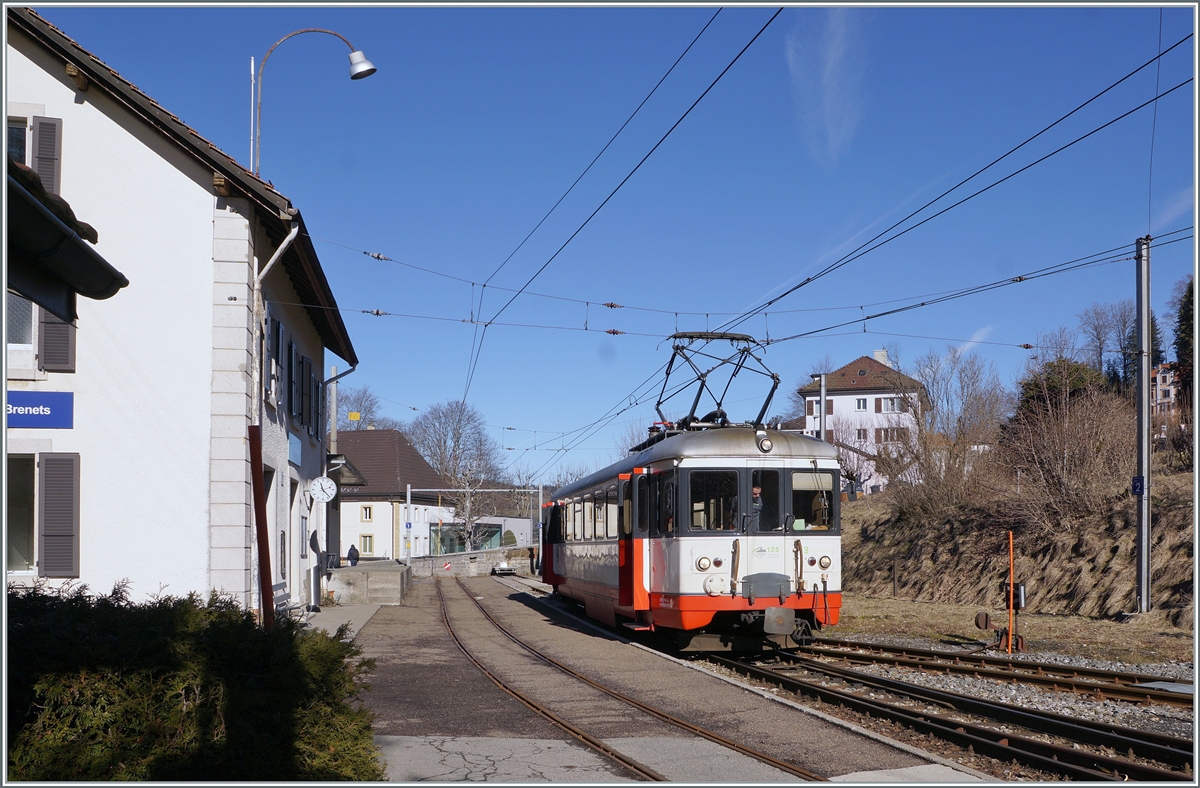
{"x": 1183, "y": 347}
{"x": 1129, "y": 365}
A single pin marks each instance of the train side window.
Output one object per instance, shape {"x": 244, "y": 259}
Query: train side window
{"x": 764, "y": 507}
{"x": 714, "y": 500}
{"x": 644, "y": 505}
{"x": 814, "y": 504}
{"x": 554, "y": 531}
{"x": 611, "y": 517}
{"x": 576, "y": 520}
{"x": 598, "y": 500}
{"x": 666, "y": 510}
{"x": 589, "y": 515}
{"x": 626, "y": 508}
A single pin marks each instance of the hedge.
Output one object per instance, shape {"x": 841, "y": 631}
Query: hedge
{"x": 100, "y": 688}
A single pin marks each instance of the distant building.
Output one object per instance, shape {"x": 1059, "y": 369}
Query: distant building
{"x": 394, "y": 515}
{"x": 1164, "y": 390}
{"x": 869, "y": 406}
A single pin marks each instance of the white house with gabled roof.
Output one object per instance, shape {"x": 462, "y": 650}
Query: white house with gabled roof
{"x": 144, "y": 471}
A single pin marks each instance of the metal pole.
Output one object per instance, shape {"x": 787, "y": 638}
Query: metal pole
{"x": 333, "y": 411}
{"x": 1141, "y": 483}
{"x": 252, "y": 112}
{"x": 408, "y": 507}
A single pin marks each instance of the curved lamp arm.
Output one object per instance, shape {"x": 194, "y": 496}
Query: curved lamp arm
{"x": 360, "y": 67}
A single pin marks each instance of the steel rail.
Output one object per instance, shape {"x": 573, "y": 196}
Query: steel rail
{"x": 1076, "y": 764}
{"x": 639, "y": 769}
{"x": 1155, "y": 746}
{"x": 1098, "y": 690}
{"x": 662, "y": 715}
{"x": 1046, "y": 668}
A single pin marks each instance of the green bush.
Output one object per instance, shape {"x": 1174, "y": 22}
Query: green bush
{"x": 100, "y": 688}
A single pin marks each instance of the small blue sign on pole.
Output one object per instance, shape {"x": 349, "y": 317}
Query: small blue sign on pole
{"x": 407, "y": 526}
{"x": 1139, "y": 486}
{"x": 44, "y": 410}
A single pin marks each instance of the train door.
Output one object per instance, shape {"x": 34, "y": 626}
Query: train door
{"x": 632, "y": 543}
{"x": 766, "y": 538}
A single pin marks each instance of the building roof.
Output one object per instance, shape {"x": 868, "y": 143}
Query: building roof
{"x": 50, "y": 259}
{"x": 863, "y": 374}
{"x": 229, "y": 178}
{"x": 388, "y": 462}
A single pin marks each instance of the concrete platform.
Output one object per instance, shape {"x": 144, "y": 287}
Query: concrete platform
{"x": 333, "y": 616}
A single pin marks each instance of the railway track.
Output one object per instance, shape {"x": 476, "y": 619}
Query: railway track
{"x": 1152, "y": 757}
{"x": 1095, "y": 683}
{"x": 639, "y": 769}
{"x": 1149, "y": 756}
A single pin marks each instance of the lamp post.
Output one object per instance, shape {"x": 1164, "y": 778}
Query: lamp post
{"x": 360, "y": 68}
{"x": 821, "y": 376}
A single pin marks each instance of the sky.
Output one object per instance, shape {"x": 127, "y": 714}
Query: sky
{"x": 835, "y": 124}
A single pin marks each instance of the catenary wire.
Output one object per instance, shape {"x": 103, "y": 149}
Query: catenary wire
{"x": 486, "y": 282}
{"x": 618, "y": 188}
{"x": 866, "y": 247}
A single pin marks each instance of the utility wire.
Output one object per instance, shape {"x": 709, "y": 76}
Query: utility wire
{"x": 862, "y": 250}
{"x": 474, "y": 348}
{"x": 625, "y": 180}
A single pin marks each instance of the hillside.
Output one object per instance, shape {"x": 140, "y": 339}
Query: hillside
{"x": 1091, "y": 572}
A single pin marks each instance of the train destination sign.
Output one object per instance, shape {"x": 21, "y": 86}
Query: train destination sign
{"x": 45, "y": 410}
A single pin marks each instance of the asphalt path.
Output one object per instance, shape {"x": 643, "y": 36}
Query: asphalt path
{"x": 439, "y": 718}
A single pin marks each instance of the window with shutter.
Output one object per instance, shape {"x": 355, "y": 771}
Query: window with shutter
{"x": 879, "y": 435}
{"x": 828, "y": 407}
{"x": 58, "y": 515}
{"x": 879, "y": 405}
{"x": 280, "y": 347}
{"x": 306, "y": 391}
{"x": 811, "y": 410}
{"x": 56, "y": 343}
{"x": 47, "y": 152}
{"x": 293, "y": 381}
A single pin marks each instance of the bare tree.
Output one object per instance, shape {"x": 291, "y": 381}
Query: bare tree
{"x": 1123, "y": 319}
{"x": 1095, "y": 325}
{"x": 452, "y": 438}
{"x": 366, "y": 403}
{"x": 945, "y": 426}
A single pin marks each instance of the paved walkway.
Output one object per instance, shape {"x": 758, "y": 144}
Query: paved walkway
{"x": 333, "y": 616}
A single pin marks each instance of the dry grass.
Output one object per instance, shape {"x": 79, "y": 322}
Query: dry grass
{"x": 1145, "y": 638}
{"x": 1079, "y": 584}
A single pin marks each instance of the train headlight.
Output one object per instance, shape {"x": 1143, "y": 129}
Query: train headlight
{"x": 765, "y": 444}
{"x": 825, "y": 562}
{"x": 703, "y": 564}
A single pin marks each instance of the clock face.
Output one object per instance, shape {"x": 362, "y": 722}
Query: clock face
{"x": 323, "y": 489}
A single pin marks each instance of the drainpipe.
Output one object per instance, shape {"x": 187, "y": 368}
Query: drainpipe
{"x": 256, "y": 416}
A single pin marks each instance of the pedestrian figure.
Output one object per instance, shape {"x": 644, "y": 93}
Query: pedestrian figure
{"x": 352, "y": 555}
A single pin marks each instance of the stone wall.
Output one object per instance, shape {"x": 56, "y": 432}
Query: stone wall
{"x": 480, "y": 562}
{"x": 370, "y": 583}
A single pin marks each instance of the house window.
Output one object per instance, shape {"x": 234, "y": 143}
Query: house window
{"x": 367, "y": 542}
{"x": 366, "y": 514}
{"x": 17, "y": 136}
{"x": 891, "y": 434}
{"x": 892, "y": 405}
{"x": 860, "y": 404}
{"x": 860, "y": 434}
{"x": 42, "y": 527}
{"x": 283, "y": 555}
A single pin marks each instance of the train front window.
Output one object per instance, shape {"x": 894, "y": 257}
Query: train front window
{"x": 714, "y": 500}
{"x": 814, "y": 503}
{"x": 764, "y": 501}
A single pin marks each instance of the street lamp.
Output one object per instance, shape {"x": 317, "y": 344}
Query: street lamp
{"x": 821, "y": 377}
{"x": 360, "y": 68}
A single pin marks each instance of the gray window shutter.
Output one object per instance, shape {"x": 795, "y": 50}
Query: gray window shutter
{"x": 306, "y": 403}
{"x": 293, "y": 381}
{"x": 46, "y": 158}
{"x": 58, "y": 515}
{"x": 56, "y": 343}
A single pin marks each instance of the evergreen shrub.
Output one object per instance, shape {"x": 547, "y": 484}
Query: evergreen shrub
{"x": 101, "y": 688}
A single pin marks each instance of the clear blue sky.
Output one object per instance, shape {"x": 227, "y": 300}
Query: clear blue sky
{"x": 833, "y": 125}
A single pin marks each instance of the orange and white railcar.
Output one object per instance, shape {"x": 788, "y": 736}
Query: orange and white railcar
{"x": 721, "y": 538}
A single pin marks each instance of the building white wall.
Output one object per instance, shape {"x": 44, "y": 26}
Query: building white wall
{"x": 847, "y": 419}
{"x": 388, "y": 520}
{"x": 142, "y": 379}
{"x": 163, "y": 384}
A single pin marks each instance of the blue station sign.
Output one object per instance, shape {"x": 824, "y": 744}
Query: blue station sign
{"x": 41, "y": 410}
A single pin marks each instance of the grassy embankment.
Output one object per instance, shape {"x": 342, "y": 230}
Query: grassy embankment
{"x": 1079, "y": 585}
